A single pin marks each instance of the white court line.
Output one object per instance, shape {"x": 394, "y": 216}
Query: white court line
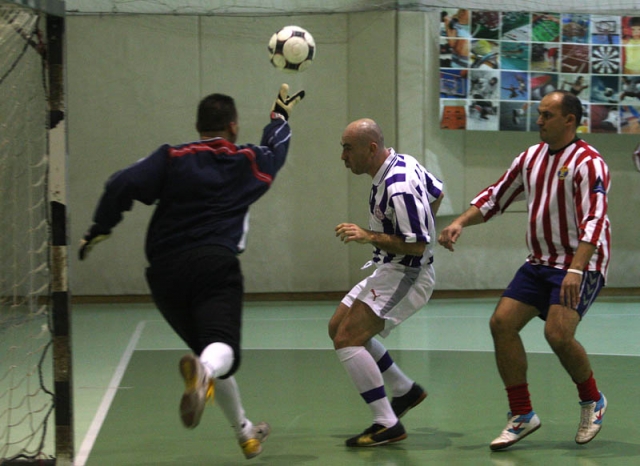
{"x": 92, "y": 433}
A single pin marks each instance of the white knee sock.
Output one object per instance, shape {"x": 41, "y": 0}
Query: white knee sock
{"x": 217, "y": 359}
{"x": 366, "y": 376}
{"x": 399, "y": 383}
{"x": 227, "y": 396}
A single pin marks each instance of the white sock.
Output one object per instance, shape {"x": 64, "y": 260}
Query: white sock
{"x": 366, "y": 376}
{"x": 217, "y": 359}
{"x": 399, "y": 383}
{"x": 227, "y": 396}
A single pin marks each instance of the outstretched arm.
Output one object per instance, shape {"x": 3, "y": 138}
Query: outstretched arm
{"x": 276, "y": 135}
{"x": 141, "y": 182}
{"x": 449, "y": 236}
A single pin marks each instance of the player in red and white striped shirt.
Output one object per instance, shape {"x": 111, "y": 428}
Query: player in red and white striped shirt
{"x": 564, "y": 182}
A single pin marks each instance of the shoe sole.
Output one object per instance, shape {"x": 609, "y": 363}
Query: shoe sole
{"x": 421, "y": 398}
{"x": 190, "y": 408}
{"x": 383, "y": 442}
{"x": 587, "y": 441}
{"x": 502, "y": 446}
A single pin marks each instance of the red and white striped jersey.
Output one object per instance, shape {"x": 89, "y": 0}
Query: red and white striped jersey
{"x": 566, "y": 195}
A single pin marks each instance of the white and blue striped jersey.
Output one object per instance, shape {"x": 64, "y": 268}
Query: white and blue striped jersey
{"x": 400, "y": 204}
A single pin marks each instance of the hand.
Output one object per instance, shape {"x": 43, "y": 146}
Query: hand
{"x": 350, "y": 232}
{"x": 90, "y": 239}
{"x": 450, "y": 235}
{"x": 284, "y": 103}
{"x": 570, "y": 290}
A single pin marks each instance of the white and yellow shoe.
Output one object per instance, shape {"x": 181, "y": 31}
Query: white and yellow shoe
{"x": 198, "y": 390}
{"x": 252, "y": 444}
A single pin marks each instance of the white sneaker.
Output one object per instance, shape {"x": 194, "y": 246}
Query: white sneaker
{"x": 252, "y": 445}
{"x": 518, "y": 427}
{"x": 198, "y": 389}
{"x": 591, "y": 416}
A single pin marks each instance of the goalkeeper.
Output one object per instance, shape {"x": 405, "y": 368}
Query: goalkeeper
{"x": 202, "y": 191}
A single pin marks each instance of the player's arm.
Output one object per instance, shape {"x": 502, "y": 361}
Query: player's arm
{"x": 570, "y": 288}
{"x": 595, "y": 207}
{"x": 141, "y": 182}
{"x": 348, "y": 232}
{"x": 449, "y": 235}
{"x": 435, "y": 205}
{"x": 582, "y": 257}
{"x": 276, "y": 136}
{"x": 592, "y": 182}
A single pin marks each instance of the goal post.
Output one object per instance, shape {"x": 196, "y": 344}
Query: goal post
{"x": 36, "y": 415}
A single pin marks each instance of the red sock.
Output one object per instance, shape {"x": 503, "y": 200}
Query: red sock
{"x": 519, "y": 399}
{"x": 588, "y": 390}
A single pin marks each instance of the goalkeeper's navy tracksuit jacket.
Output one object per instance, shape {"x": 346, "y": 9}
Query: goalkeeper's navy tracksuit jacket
{"x": 203, "y": 190}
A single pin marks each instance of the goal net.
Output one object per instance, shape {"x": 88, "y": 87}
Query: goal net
{"x": 27, "y": 397}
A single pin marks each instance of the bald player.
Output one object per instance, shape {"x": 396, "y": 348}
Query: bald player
{"x": 402, "y": 206}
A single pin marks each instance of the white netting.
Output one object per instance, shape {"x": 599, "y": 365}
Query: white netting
{"x": 301, "y": 7}
{"x": 25, "y": 356}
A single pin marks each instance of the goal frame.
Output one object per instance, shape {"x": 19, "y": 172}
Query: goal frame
{"x": 58, "y": 300}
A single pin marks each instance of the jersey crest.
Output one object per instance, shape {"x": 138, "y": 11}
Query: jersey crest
{"x": 563, "y": 172}
{"x": 377, "y": 211}
{"x": 598, "y": 187}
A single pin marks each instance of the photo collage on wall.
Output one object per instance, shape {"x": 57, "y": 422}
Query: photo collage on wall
{"x": 495, "y": 67}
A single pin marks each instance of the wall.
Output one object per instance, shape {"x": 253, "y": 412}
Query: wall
{"x": 371, "y": 82}
{"x": 134, "y": 83}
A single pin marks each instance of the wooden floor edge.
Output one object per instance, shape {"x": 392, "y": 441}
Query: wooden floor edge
{"x": 329, "y": 296}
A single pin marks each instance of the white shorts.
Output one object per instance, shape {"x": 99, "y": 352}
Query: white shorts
{"x": 394, "y": 292}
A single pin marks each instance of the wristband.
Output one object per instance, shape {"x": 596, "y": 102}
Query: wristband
{"x": 579, "y": 272}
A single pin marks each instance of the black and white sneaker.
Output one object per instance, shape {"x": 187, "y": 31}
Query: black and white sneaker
{"x": 378, "y": 435}
{"x": 402, "y": 404}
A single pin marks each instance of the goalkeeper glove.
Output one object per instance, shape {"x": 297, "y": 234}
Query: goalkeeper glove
{"x": 284, "y": 103}
{"x": 90, "y": 239}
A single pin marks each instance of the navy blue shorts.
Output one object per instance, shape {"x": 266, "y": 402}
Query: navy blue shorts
{"x": 199, "y": 292}
{"x": 539, "y": 286}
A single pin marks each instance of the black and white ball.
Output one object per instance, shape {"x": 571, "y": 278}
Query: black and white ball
{"x": 292, "y": 49}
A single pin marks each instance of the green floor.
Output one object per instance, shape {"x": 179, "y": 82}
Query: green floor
{"x": 127, "y": 389}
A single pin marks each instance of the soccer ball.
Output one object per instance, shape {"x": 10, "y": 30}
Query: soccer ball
{"x": 292, "y": 49}
{"x": 608, "y": 92}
